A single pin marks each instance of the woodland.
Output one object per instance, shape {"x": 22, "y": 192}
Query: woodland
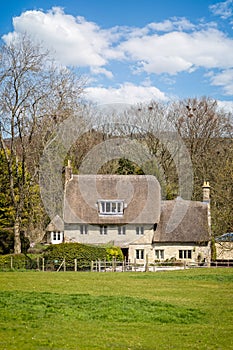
{"x": 187, "y": 140}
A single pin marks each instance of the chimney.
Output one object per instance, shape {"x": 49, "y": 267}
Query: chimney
{"x": 206, "y": 192}
{"x": 206, "y": 199}
{"x": 68, "y": 172}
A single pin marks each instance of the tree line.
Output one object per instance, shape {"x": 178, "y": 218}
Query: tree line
{"x": 37, "y": 95}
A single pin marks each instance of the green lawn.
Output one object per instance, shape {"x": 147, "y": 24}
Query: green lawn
{"x": 188, "y": 309}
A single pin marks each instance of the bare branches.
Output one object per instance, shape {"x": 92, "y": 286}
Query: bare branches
{"x": 35, "y": 95}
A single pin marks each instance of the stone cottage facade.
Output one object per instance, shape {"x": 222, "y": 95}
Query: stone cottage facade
{"x": 127, "y": 211}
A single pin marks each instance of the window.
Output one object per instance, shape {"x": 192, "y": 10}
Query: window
{"x": 103, "y": 230}
{"x": 139, "y": 253}
{"x": 121, "y": 230}
{"x": 159, "y": 254}
{"x": 139, "y": 230}
{"x": 113, "y": 207}
{"x": 185, "y": 254}
{"x": 83, "y": 229}
{"x": 56, "y": 237}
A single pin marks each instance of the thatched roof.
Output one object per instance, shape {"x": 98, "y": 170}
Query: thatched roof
{"x": 182, "y": 221}
{"x": 56, "y": 224}
{"x": 140, "y": 193}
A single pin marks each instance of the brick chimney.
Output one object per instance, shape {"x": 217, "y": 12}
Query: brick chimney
{"x": 68, "y": 172}
{"x": 206, "y": 199}
{"x": 206, "y": 192}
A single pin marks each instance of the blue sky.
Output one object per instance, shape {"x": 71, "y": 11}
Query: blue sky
{"x": 135, "y": 50}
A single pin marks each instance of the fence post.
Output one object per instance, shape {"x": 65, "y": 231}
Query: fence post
{"x": 43, "y": 264}
{"x": 38, "y": 263}
{"x": 135, "y": 266}
{"x": 11, "y": 262}
{"x": 92, "y": 265}
{"x": 75, "y": 265}
{"x": 99, "y": 265}
{"x": 147, "y": 265}
{"x": 113, "y": 264}
{"x": 105, "y": 266}
{"x": 64, "y": 265}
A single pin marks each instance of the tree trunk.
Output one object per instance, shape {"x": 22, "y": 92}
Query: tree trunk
{"x": 17, "y": 241}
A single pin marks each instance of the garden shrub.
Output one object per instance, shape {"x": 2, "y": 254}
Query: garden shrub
{"x": 114, "y": 253}
{"x": 84, "y": 254}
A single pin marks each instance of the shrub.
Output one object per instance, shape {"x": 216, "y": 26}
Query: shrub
{"x": 84, "y": 254}
{"x": 114, "y": 252}
{"x": 16, "y": 262}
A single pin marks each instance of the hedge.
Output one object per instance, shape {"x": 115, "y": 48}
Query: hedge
{"x": 83, "y": 254}
{"x": 16, "y": 262}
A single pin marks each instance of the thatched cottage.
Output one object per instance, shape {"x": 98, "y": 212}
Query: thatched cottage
{"x": 127, "y": 211}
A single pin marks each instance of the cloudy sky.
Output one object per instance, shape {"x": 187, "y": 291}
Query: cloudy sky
{"x": 134, "y": 50}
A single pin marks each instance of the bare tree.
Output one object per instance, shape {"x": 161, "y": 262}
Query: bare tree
{"x": 207, "y": 131}
{"x": 158, "y": 134}
{"x": 35, "y": 95}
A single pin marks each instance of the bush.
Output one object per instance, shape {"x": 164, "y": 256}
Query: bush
{"x": 84, "y": 254}
{"x": 16, "y": 262}
{"x": 114, "y": 253}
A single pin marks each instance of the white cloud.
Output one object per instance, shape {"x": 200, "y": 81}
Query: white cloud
{"x": 169, "y": 47}
{"x": 168, "y": 25}
{"x": 100, "y": 70}
{"x": 126, "y": 93}
{"x": 75, "y": 40}
{"x": 223, "y": 9}
{"x": 175, "y": 52}
{"x": 226, "y": 105}
{"x": 79, "y": 42}
{"x": 224, "y": 79}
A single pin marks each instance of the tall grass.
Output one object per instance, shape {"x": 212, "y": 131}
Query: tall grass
{"x": 147, "y": 311}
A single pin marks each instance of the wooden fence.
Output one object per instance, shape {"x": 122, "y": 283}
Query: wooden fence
{"x": 40, "y": 264}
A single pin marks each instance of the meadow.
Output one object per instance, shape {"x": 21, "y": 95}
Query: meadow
{"x": 131, "y": 311}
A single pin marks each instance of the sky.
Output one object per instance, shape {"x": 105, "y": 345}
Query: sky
{"x": 134, "y": 50}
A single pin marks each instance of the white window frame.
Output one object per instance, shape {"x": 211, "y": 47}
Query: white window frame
{"x": 83, "y": 229}
{"x": 56, "y": 237}
{"x": 121, "y": 230}
{"x": 159, "y": 254}
{"x": 139, "y": 254}
{"x": 110, "y": 207}
{"x": 104, "y": 230}
{"x": 185, "y": 253}
{"x": 139, "y": 230}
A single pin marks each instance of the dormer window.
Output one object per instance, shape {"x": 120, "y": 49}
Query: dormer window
{"x": 110, "y": 207}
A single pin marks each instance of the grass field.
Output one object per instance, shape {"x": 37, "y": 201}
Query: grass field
{"x": 188, "y": 309}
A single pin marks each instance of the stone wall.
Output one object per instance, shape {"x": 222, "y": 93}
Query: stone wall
{"x": 224, "y": 250}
